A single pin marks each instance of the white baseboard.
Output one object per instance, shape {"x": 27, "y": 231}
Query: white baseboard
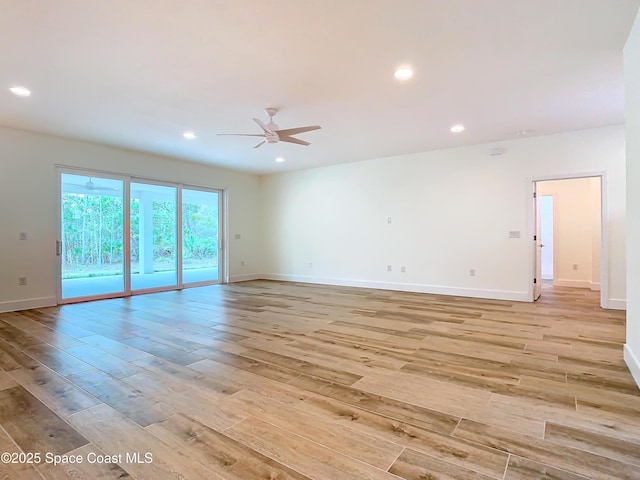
{"x": 572, "y": 283}
{"x": 246, "y": 277}
{"x": 633, "y": 363}
{"x": 27, "y": 304}
{"x": 406, "y": 287}
{"x": 595, "y": 286}
{"x": 615, "y": 304}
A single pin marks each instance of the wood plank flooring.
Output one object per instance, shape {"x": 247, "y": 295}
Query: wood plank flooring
{"x": 273, "y": 380}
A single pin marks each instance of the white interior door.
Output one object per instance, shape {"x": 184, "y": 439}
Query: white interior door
{"x": 537, "y": 239}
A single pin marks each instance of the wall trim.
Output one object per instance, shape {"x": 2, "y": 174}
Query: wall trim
{"x": 633, "y": 363}
{"x": 27, "y": 304}
{"x": 573, "y": 283}
{"x": 615, "y": 304}
{"x": 405, "y": 287}
{"x": 595, "y": 286}
{"x": 245, "y": 277}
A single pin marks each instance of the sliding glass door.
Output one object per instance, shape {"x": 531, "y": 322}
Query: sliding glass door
{"x": 120, "y": 236}
{"x": 153, "y": 236}
{"x": 200, "y": 235}
{"x": 91, "y": 245}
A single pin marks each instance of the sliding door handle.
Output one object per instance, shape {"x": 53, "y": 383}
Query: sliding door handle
{"x": 58, "y": 248}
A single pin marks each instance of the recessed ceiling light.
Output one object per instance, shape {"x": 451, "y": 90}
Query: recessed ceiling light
{"x": 457, "y": 128}
{"x": 189, "y": 135}
{"x": 279, "y": 159}
{"x": 403, "y": 73}
{"x": 20, "y": 91}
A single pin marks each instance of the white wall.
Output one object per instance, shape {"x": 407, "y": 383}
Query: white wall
{"x": 28, "y": 204}
{"x": 576, "y": 230}
{"x": 451, "y": 211}
{"x": 632, "y": 85}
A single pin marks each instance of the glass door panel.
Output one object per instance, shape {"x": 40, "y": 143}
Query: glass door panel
{"x": 153, "y": 236}
{"x": 92, "y": 240}
{"x": 200, "y": 235}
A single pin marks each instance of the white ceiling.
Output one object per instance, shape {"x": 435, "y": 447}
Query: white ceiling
{"x": 137, "y": 73}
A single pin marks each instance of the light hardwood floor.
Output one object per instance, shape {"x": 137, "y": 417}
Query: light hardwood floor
{"x": 270, "y": 380}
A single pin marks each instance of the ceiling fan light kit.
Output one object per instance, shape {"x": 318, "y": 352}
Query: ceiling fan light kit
{"x": 272, "y": 132}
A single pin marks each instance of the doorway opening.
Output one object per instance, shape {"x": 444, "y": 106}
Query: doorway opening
{"x": 569, "y": 232}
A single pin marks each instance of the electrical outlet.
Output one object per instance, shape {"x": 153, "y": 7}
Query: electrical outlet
{"x": 403, "y": 269}
{"x": 23, "y": 236}
{"x": 237, "y": 236}
{"x": 575, "y": 266}
{"x": 389, "y": 219}
{"x": 472, "y": 272}
{"x": 389, "y": 268}
{"x": 22, "y": 280}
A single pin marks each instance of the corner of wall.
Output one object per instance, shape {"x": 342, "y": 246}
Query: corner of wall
{"x": 633, "y": 363}
{"x": 615, "y": 304}
{"x": 245, "y": 277}
{"x": 632, "y": 114}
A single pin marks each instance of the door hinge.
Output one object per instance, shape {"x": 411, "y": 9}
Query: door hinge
{"x": 535, "y": 237}
{"x": 535, "y": 280}
{"x": 535, "y": 194}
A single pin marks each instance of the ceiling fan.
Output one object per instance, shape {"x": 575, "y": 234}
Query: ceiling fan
{"x": 89, "y": 185}
{"x": 273, "y": 134}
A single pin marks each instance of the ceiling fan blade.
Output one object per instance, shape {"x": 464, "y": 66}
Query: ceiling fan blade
{"x": 293, "y": 140}
{"x": 262, "y": 125}
{"x": 93, "y": 188}
{"x": 264, "y": 141}
{"x": 243, "y": 134}
{"x": 295, "y": 131}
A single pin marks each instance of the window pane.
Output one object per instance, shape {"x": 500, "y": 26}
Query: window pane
{"x": 92, "y": 236}
{"x": 200, "y": 227}
{"x": 153, "y": 236}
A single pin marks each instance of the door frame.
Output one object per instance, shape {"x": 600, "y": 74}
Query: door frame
{"x": 604, "y": 228}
